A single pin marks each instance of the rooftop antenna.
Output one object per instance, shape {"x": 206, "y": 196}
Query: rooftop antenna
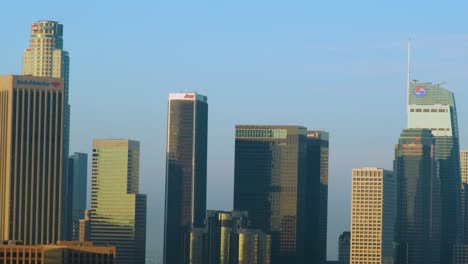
{"x": 409, "y": 68}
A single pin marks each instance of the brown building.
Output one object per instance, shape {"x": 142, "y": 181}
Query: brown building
{"x": 31, "y": 158}
{"x": 63, "y": 253}
{"x": 84, "y": 228}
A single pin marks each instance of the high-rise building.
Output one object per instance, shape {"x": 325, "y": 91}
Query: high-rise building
{"x": 344, "y": 247}
{"x": 78, "y": 174}
{"x": 372, "y": 214}
{"x": 45, "y": 57}
{"x": 186, "y": 163}
{"x": 464, "y": 166}
{"x": 317, "y": 196}
{"x": 227, "y": 239}
{"x": 417, "y": 220}
{"x": 118, "y": 210}
{"x": 31, "y": 152}
{"x": 433, "y": 107}
{"x": 270, "y": 174}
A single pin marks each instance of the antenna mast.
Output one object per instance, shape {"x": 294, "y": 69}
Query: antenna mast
{"x": 408, "y": 80}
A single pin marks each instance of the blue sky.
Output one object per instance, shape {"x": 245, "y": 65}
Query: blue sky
{"x": 329, "y": 65}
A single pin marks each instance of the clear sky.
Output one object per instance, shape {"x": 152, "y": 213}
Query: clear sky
{"x": 338, "y": 66}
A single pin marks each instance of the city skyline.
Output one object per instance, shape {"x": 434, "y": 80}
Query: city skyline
{"x": 432, "y": 54}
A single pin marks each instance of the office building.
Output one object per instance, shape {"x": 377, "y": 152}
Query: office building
{"x": 270, "y": 184}
{"x": 45, "y": 57}
{"x": 227, "y": 239}
{"x": 460, "y": 254}
{"x": 78, "y": 174}
{"x": 31, "y": 132}
{"x": 417, "y": 221}
{"x": 344, "y": 247}
{"x": 118, "y": 210}
{"x": 433, "y": 107}
{"x": 84, "y": 228}
{"x": 61, "y": 253}
{"x": 186, "y": 161}
{"x": 317, "y": 196}
{"x": 372, "y": 214}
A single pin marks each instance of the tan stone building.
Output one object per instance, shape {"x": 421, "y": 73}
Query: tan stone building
{"x": 31, "y": 152}
{"x": 372, "y": 211}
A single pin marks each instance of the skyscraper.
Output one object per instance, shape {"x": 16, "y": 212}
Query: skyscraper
{"x": 317, "y": 196}
{"x": 270, "y": 182}
{"x": 118, "y": 210}
{"x": 372, "y": 212}
{"x": 432, "y": 107}
{"x": 46, "y": 58}
{"x": 186, "y": 161}
{"x": 417, "y": 221}
{"x": 344, "y": 247}
{"x": 31, "y": 152}
{"x": 78, "y": 174}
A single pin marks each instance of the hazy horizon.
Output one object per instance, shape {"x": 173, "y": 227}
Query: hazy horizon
{"x": 337, "y": 67}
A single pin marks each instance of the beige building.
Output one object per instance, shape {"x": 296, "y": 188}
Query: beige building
{"x": 62, "y": 253}
{"x": 45, "y": 57}
{"x": 31, "y": 152}
{"x": 84, "y": 228}
{"x": 372, "y": 211}
{"x": 464, "y": 166}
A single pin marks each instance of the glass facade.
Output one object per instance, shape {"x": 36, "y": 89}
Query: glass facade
{"x": 317, "y": 196}
{"x": 343, "y": 247}
{"x": 270, "y": 184}
{"x": 433, "y": 107}
{"x": 186, "y": 161}
{"x": 417, "y": 221}
{"x": 118, "y": 211}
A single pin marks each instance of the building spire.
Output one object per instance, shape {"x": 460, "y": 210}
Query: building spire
{"x": 408, "y": 72}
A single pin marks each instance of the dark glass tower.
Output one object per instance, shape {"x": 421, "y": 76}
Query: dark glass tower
{"x": 343, "y": 247}
{"x": 269, "y": 183}
{"x": 417, "y": 221}
{"x": 78, "y": 174}
{"x": 186, "y": 158}
{"x": 317, "y": 197}
{"x": 432, "y": 107}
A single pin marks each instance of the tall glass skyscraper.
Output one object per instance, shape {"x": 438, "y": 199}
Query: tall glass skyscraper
{"x": 118, "y": 210}
{"x": 417, "y": 221}
{"x": 432, "y": 107}
{"x": 31, "y": 148}
{"x": 317, "y": 196}
{"x": 45, "y": 57}
{"x": 78, "y": 174}
{"x": 270, "y": 174}
{"x": 186, "y": 162}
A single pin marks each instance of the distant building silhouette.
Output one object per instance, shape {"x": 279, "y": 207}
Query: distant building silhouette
{"x": 186, "y": 163}
{"x": 78, "y": 176}
{"x": 372, "y": 215}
